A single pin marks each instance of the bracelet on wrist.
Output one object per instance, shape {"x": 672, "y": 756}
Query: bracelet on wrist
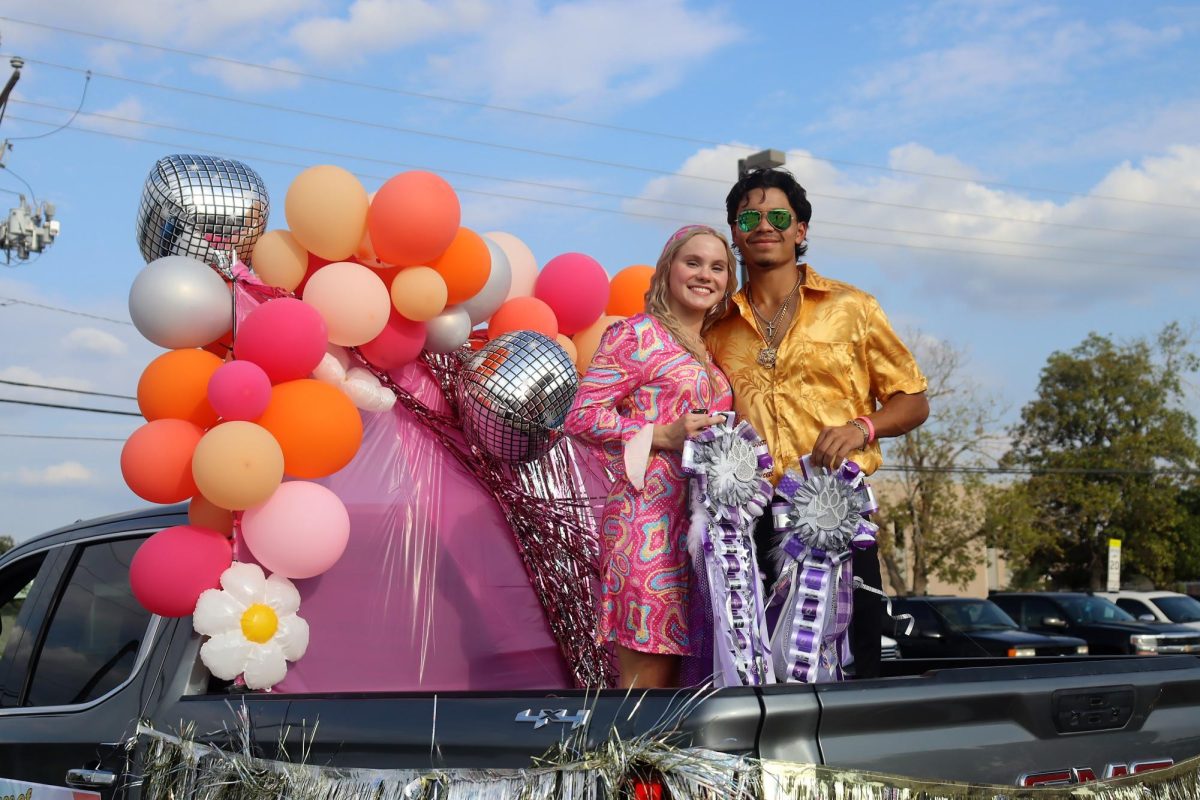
{"x": 870, "y": 427}
{"x": 861, "y": 429}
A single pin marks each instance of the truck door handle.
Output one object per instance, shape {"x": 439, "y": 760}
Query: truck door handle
{"x": 91, "y": 778}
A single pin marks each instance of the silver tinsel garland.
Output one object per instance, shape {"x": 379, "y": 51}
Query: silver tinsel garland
{"x": 179, "y": 768}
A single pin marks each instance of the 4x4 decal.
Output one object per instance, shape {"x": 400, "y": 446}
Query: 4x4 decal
{"x": 559, "y": 715}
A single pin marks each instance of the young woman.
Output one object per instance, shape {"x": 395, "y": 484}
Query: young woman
{"x": 650, "y": 386}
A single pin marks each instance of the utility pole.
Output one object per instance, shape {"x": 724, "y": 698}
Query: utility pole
{"x": 763, "y": 159}
{"x": 29, "y": 228}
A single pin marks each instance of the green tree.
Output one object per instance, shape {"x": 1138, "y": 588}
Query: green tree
{"x": 931, "y": 512}
{"x": 6, "y": 544}
{"x": 1109, "y": 444}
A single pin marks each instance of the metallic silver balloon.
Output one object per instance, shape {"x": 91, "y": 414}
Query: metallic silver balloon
{"x": 514, "y": 394}
{"x": 448, "y": 331}
{"x": 180, "y": 302}
{"x": 202, "y": 207}
{"x": 495, "y": 291}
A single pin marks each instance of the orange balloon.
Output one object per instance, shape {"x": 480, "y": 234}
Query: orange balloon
{"x": 588, "y": 339}
{"x": 419, "y": 293}
{"x": 565, "y": 343}
{"x": 413, "y": 218}
{"x": 237, "y": 465}
{"x": 203, "y": 514}
{"x": 317, "y": 426}
{"x": 523, "y": 314}
{"x": 627, "y": 292}
{"x": 465, "y": 266}
{"x": 279, "y": 259}
{"x": 156, "y": 460}
{"x": 326, "y": 210}
{"x": 175, "y": 386}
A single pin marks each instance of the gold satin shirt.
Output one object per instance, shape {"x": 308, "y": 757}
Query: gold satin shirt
{"x": 839, "y": 360}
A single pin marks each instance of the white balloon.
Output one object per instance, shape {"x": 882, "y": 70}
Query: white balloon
{"x": 448, "y": 331}
{"x": 521, "y": 263}
{"x": 495, "y": 291}
{"x": 331, "y": 370}
{"x": 178, "y": 302}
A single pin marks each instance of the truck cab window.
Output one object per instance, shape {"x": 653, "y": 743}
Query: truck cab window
{"x": 16, "y": 582}
{"x": 95, "y": 630}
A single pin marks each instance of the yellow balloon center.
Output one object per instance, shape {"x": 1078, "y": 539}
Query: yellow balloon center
{"x": 259, "y": 623}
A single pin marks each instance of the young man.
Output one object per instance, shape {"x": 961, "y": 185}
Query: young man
{"x": 814, "y": 365}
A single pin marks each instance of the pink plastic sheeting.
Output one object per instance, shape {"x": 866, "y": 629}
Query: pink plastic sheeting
{"x": 430, "y": 594}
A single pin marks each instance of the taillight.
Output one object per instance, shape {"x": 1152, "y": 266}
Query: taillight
{"x": 647, "y": 790}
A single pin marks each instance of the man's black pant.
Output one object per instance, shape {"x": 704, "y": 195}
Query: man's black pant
{"x": 866, "y": 621}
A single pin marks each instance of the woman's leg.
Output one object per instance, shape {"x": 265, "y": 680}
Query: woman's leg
{"x": 647, "y": 670}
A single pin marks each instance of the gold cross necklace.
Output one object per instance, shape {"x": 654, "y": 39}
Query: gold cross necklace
{"x": 770, "y": 349}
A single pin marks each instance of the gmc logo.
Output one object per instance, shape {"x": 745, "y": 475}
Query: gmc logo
{"x": 1064, "y": 777}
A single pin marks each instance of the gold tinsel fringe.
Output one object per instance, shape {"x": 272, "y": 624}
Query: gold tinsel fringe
{"x": 175, "y": 768}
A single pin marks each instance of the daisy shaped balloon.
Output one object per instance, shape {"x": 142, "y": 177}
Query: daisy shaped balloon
{"x": 252, "y": 625}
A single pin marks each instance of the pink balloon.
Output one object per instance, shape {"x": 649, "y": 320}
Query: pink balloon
{"x": 521, "y": 263}
{"x": 300, "y": 532}
{"x": 172, "y": 568}
{"x": 239, "y": 390}
{"x": 576, "y": 287}
{"x": 284, "y": 336}
{"x": 399, "y": 343}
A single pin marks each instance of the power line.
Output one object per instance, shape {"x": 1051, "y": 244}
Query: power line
{"x": 66, "y": 124}
{"x": 65, "y": 389}
{"x": 601, "y": 210}
{"x": 572, "y": 120}
{"x": 576, "y": 189}
{"x": 1038, "y": 470}
{"x": 13, "y": 300}
{"x": 579, "y": 159}
{"x": 70, "y": 408}
{"x": 63, "y": 438}
{"x": 8, "y": 169}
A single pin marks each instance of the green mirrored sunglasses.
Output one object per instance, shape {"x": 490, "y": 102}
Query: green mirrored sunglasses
{"x": 779, "y": 218}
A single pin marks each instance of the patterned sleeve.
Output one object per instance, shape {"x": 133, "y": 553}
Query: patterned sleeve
{"x": 891, "y": 366}
{"x": 611, "y": 377}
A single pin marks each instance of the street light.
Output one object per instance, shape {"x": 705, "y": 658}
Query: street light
{"x": 763, "y": 159}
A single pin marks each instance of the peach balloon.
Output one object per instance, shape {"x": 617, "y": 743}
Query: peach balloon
{"x": 175, "y": 386}
{"x": 627, "y": 292}
{"x": 317, "y": 426}
{"x": 523, "y": 314}
{"x": 566, "y": 344}
{"x": 237, "y": 465}
{"x": 279, "y": 260}
{"x": 156, "y": 460}
{"x": 465, "y": 266}
{"x": 351, "y": 299}
{"x": 588, "y": 339}
{"x": 419, "y": 293}
{"x": 203, "y": 514}
{"x": 413, "y": 218}
{"x": 326, "y": 210}
{"x": 520, "y": 261}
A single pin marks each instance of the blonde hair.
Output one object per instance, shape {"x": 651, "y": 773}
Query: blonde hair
{"x": 659, "y": 291}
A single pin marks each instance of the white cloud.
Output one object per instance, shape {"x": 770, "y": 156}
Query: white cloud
{"x": 21, "y": 374}
{"x": 93, "y": 341}
{"x": 372, "y": 26}
{"x": 120, "y": 118}
{"x": 67, "y": 473}
{"x": 997, "y": 244}
{"x": 252, "y": 79}
{"x": 568, "y": 54}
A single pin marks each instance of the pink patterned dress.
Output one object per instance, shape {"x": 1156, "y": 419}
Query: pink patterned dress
{"x": 640, "y": 375}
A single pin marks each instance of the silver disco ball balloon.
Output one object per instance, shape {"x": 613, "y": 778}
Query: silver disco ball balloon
{"x": 202, "y": 207}
{"x": 514, "y": 394}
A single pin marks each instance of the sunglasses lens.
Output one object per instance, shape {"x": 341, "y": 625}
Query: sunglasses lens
{"x": 748, "y": 220}
{"x": 779, "y": 218}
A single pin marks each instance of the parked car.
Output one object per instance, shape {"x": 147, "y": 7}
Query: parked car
{"x": 967, "y": 627}
{"x": 1107, "y": 628}
{"x": 1159, "y": 606}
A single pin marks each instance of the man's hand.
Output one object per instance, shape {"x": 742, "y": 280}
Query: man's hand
{"x": 672, "y": 436}
{"x": 835, "y": 444}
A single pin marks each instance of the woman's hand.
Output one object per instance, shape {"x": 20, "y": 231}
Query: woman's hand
{"x": 672, "y": 436}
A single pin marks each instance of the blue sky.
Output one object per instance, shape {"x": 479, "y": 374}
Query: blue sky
{"x": 1005, "y": 176}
